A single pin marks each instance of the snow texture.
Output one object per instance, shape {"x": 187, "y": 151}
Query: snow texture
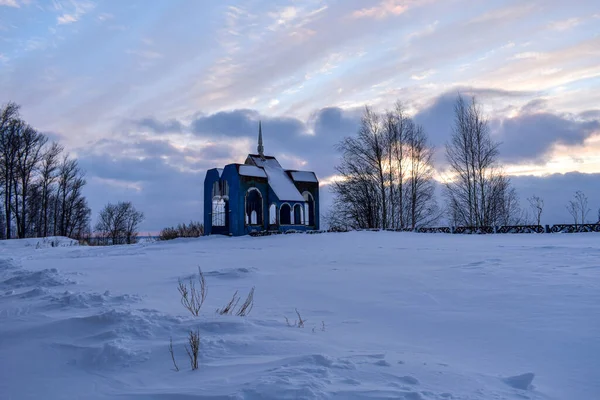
{"x": 280, "y": 182}
{"x": 387, "y": 316}
{"x": 304, "y": 176}
{"x": 522, "y": 382}
{"x": 251, "y": 170}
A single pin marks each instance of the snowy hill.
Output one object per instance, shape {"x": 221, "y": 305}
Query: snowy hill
{"x": 388, "y": 315}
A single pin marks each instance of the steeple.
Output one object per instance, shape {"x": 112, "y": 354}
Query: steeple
{"x": 260, "y": 148}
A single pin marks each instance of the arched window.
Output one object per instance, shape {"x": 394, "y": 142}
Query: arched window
{"x": 219, "y": 213}
{"x": 297, "y": 214}
{"x": 254, "y": 207}
{"x": 273, "y": 214}
{"x": 220, "y": 196}
{"x": 285, "y": 214}
{"x": 220, "y": 189}
{"x": 309, "y": 209}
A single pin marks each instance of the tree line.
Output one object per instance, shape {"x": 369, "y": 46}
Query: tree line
{"x": 386, "y": 177}
{"x": 41, "y": 186}
{"x": 41, "y": 190}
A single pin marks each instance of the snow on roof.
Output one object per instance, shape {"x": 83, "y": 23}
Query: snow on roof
{"x": 251, "y": 170}
{"x": 304, "y": 176}
{"x": 260, "y": 162}
{"x": 279, "y": 180}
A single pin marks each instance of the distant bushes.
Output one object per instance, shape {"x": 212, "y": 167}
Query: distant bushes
{"x": 193, "y": 229}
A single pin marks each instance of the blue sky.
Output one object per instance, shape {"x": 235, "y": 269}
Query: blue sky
{"x": 149, "y": 94}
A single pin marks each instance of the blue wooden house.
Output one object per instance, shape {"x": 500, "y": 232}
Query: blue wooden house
{"x": 259, "y": 195}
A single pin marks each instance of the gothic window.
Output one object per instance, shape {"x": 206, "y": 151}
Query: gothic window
{"x": 297, "y": 215}
{"x": 220, "y": 189}
{"x": 285, "y": 214}
{"x": 273, "y": 214}
{"x": 219, "y": 207}
{"x": 309, "y": 209}
{"x": 254, "y": 207}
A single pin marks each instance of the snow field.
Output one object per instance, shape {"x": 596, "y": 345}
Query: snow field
{"x": 406, "y": 316}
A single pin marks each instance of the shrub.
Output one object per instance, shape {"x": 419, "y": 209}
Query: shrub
{"x": 193, "y": 229}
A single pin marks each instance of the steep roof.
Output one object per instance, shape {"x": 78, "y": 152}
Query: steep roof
{"x": 303, "y": 176}
{"x": 251, "y": 170}
{"x": 278, "y": 179}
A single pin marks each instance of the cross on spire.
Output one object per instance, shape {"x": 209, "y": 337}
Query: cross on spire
{"x": 260, "y": 148}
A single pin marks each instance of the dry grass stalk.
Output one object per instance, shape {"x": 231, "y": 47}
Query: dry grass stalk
{"x": 300, "y": 320}
{"x": 172, "y": 354}
{"x": 193, "y": 348}
{"x": 228, "y": 309}
{"x": 191, "y": 297}
{"x": 298, "y": 323}
{"x": 246, "y": 307}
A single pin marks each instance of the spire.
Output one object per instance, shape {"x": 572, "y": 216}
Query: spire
{"x": 260, "y": 148}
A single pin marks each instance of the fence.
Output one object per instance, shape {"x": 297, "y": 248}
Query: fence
{"x": 559, "y": 228}
{"x": 465, "y": 230}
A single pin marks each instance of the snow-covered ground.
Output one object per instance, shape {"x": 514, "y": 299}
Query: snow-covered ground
{"x": 406, "y": 316}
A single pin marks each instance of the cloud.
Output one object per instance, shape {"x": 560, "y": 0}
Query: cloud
{"x": 76, "y": 10}
{"x": 158, "y": 126}
{"x": 526, "y": 137}
{"x": 67, "y": 19}
{"x": 423, "y": 75}
{"x": 531, "y": 135}
{"x": 384, "y": 9}
{"x": 565, "y": 24}
{"x": 437, "y": 117}
{"x": 9, "y": 3}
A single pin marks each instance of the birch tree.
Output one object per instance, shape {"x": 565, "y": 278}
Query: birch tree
{"x": 478, "y": 192}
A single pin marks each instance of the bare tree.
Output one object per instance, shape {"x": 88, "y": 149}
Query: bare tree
{"x": 537, "y": 206}
{"x": 70, "y": 206}
{"x": 133, "y": 219}
{"x": 386, "y": 175}
{"x": 573, "y": 209}
{"x": 478, "y": 192}
{"x": 28, "y": 156}
{"x": 582, "y": 205}
{"x": 422, "y": 209}
{"x": 9, "y": 124}
{"x": 118, "y": 223}
{"x": 49, "y": 167}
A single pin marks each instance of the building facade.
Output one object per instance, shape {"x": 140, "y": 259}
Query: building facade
{"x": 259, "y": 195}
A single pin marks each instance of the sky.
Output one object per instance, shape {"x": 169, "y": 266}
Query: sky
{"x": 149, "y": 94}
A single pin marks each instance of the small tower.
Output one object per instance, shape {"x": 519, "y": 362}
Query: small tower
{"x": 260, "y": 148}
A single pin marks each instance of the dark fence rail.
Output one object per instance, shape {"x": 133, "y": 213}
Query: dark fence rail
{"x": 463, "y": 230}
{"x": 568, "y": 228}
